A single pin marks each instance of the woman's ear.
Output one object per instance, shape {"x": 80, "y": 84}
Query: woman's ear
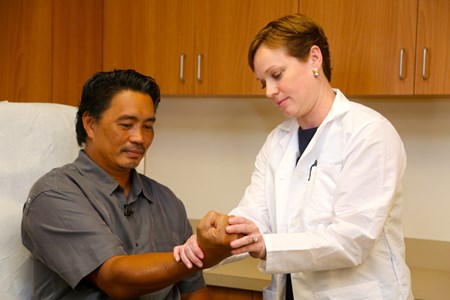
{"x": 316, "y": 56}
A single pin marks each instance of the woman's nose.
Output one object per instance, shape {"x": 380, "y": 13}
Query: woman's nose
{"x": 271, "y": 90}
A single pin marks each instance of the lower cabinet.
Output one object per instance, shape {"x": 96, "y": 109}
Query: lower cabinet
{"x": 223, "y": 293}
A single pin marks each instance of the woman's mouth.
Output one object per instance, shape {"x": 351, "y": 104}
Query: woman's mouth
{"x": 280, "y": 102}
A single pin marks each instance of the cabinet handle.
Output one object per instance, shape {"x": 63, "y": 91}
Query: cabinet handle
{"x": 402, "y": 59}
{"x": 424, "y": 63}
{"x": 182, "y": 56}
{"x": 199, "y": 67}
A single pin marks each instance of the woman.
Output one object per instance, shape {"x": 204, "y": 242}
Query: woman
{"x": 323, "y": 209}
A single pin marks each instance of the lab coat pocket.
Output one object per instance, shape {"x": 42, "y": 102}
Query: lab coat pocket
{"x": 269, "y": 293}
{"x": 322, "y": 186}
{"x": 369, "y": 290}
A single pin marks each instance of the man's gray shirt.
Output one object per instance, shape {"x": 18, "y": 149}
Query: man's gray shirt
{"x": 77, "y": 217}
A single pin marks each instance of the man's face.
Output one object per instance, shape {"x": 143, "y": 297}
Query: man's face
{"x": 117, "y": 142}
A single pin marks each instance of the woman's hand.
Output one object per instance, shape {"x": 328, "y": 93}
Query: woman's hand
{"x": 252, "y": 241}
{"x": 189, "y": 253}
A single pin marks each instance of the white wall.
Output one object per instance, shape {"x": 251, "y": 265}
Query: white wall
{"x": 205, "y": 148}
{"x": 424, "y": 125}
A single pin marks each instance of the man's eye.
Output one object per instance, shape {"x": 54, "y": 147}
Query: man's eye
{"x": 125, "y": 125}
{"x": 148, "y": 127}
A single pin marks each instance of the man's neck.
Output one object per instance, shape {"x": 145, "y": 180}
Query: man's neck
{"x": 124, "y": 180}
{"x": 120, "y": 175}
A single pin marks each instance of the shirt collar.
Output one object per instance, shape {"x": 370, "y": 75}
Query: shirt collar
{"x": 138, "y": 188}
{"x": 87, "y": 167}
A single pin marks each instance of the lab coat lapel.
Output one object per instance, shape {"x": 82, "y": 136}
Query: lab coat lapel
{"x": 340, "y": 107}
{"x": 287, "y": 152}
{"x": 290, "y": 181}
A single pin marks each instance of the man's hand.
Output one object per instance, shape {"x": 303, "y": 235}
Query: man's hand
{"x": 213, "y": 239}
{"x": 210, "y": 245}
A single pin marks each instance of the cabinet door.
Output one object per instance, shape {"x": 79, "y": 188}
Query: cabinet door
{"x": 25, "y": 51}
{"x": 150, "y": 36}
{"x": 223, "y": 32}
{"x": 372, "y": 43}
{"x": 223, "y": 293}
{"x": 433, "y": 44}
{"x": 77, "y": 47}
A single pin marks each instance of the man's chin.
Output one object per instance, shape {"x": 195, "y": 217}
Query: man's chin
{"x": 130, "y": 165}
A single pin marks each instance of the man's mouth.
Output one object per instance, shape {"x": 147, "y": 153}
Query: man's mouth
{"x": 134, "y": 151}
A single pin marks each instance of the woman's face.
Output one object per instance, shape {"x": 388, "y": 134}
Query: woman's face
{"x": 289, "y": 82}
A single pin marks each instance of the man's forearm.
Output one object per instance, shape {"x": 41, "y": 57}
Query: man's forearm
{"x": 123, "y": 277}
{"x": 129, "y": 276}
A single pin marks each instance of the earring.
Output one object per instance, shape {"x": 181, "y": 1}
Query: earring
{"x": 316, "y": 72}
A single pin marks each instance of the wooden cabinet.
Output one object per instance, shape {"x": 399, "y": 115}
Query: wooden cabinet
{"x": 199, "y": 47}
{"x": 374, "y": 50}
{"x": 223, "y": 32}
{"x": 77, "y": 47}
{"x": 25, "y": 51}
{"x": 223, "y": 293}
{"x": 195, "y": 47}
{"x": 151, "y": 36}
{"x": 433, "y": 48}
{"x": 49, "y": 49}
{"x": 366, "y": 39}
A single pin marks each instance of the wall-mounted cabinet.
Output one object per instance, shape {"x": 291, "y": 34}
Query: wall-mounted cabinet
{"x": 433, "y": 48}
{"x": 199, "y": 47}
{"x": 77, "y": 47}
{"x": 374, "y": 49}
{"x": 25, "y": 51}
{"x": 366, "y": 40}
{"x": 49, "y": 48}
{"x": 195, "y": 47}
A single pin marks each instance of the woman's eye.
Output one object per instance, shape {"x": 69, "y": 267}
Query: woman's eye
{"x": 263, "y": 85}
{"x": 276, "y": 75}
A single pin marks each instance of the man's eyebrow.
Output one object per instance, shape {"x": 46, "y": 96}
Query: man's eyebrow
{"x": 134, "y": 118}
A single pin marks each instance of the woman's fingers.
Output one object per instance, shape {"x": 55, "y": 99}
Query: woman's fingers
{"x": 189, "y": 253}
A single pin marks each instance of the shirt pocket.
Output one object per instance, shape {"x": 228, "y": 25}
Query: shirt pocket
{"x": 164, "y": 241}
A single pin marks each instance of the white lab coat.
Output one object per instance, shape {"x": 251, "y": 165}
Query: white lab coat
{"x": 334, "y": 219}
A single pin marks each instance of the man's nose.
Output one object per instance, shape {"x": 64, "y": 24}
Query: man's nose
{"x": 137, "y": 135}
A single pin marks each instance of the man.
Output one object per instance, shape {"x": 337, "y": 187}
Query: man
{"x": 96, "y": 228}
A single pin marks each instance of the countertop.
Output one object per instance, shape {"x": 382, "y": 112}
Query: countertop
{"x": 244, "y": 274}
